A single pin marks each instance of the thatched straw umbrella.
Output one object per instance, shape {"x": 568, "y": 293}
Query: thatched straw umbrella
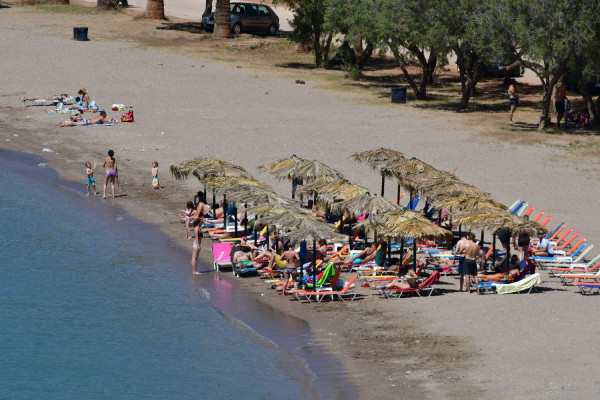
{"x": 365, "y": 203}
{"x": 415, "y": 228}
{"x": 202, "y": 168}
{"x": 468, "y": 203}
{"x": 297, "y": 169}
{"x": 341, "y": 190}
{"x": 378, "y": 159}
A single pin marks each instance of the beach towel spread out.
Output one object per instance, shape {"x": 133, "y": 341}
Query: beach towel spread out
{"x": 107, "y": 124}
{"x": 523, "y": 284}
{"x": 29, "y": 103}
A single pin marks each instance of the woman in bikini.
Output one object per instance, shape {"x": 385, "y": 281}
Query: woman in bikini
{"x": 196, "y": 245}
{"x": 111, "y": 173}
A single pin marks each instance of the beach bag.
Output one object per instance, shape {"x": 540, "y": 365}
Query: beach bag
{"x": 154, "y": 181}
{"x": 127, "y": 117}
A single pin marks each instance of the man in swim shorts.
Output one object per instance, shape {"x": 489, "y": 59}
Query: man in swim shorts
{"x": 101, "y": 119}
{"x": 292, "y": 260}
{"x": 472, "y": 251}
{"x": 559, "y": 103}
{"x": 459, "y": 250}
{"x": 513, "y": 99}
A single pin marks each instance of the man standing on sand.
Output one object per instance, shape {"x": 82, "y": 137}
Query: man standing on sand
{"x": 292, "y": 261}
{"x": 559, "y": 102}
{"x": 472, "y": 251}
{"x": 459, "y": 250}
{"x": 513, "y": 99}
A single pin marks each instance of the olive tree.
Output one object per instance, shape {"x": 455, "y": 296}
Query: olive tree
{"x": 543, "y": 35}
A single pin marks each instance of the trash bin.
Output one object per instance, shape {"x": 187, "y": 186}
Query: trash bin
{"x": 80, "y": 33}
{"x": 398, "y": 94}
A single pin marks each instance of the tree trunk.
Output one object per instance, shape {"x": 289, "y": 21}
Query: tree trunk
{"x": 326, "y": 47}
{"x": 402, "y": 65}
{"x": 207, "y": 8}
{"x": 317, "y": 47}
{"x": 108, "y": 4}
{"x": 592, "y": 106}
{"x": 365, "y": 55}
{"x": 155, "y": 9}
{"x": 426, "y": 70}
{"x": 222, "y": 20}
{"x": 61, "y": 2}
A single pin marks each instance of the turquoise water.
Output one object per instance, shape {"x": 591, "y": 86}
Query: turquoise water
{"x": 95, "y": 305}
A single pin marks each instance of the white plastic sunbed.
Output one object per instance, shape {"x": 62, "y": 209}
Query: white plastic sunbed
{"x": 29, "y": 103}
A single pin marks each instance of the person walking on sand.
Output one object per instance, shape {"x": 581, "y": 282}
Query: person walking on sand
{"x": 110, "y": 163}
{"x": 154, "y": 180}
{"x": 472, "y": 251}
{"x": 560, "y": 96}
{"x": 513, "y": 99}
{"x": 90, "y": 177}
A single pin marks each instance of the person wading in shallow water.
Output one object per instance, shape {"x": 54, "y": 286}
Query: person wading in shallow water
{"x": 110, "y": 163}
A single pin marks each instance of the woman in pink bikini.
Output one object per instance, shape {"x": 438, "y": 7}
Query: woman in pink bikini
{"x": 111, "y": 173}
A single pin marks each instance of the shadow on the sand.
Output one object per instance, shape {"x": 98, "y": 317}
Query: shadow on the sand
{"x": 191, "y": 27}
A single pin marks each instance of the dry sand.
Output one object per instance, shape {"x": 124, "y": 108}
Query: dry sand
{"x": 449, "y": 346}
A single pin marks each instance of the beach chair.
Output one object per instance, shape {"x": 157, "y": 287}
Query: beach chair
{"x": 222, "y": 256}
{"x": 571, "y": 255}
{"x": 343, "y": 294}
{"x": 66, "y": 101}
{"x": 587, "y": 268}
{"x": 412, "y": 204}
{"x": 524, "y": 285}
{"x": 301, "y": 295}
{"x": 421, "y": 287}
{"x": 586, "y": 288}
{"x": 517, "y": 208}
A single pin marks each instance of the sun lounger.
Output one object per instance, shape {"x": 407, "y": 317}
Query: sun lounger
{"x": 517, "y": 208}
{"x": 343, "y": 294}
{"x": 222, "y": 256}
{"x": 421, "y": 287}
{"x": 588, "y": 268}
{"x": 525, "y": 284}
{"x": 588, "y": 287}
{"x": 301, "y": 295}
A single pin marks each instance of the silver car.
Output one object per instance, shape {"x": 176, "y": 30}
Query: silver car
{"x": 248, "y": 17}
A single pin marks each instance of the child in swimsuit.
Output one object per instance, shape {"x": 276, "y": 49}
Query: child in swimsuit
{"x": 155, "y": 175}
{"x": 90, "y": 177}
{"x": 187, "y": 214}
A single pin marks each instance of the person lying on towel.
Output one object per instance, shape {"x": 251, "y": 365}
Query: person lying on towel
{"x": 101, "y": 119}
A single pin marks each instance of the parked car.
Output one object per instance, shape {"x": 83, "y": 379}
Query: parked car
{"x": 247, "y": 17}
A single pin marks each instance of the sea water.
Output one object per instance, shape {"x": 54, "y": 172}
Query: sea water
{"x": 93, "y": 304}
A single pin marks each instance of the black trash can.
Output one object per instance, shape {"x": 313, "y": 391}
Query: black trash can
{"x": 398, "y": 94}
{"x": 80, "y": 33}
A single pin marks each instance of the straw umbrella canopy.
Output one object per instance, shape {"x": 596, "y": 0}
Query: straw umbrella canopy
{"x": 280, "y": 164}
{"x": 278, "y": 209}
{"x": 415, "y": 228}
{"x": 233, "y": 183}
{"x": 468, "y": 203}
{"x": 341, "y": 190}
{"x": 307, "y": 170}
{"x": 379, "y": 159}
{"x": 422, "y": 181}
{"x": 494, "y": 220}
{"x": 202, "y": 168}
{"x": 452, "y": 188}
{"x": 365, "y": 203}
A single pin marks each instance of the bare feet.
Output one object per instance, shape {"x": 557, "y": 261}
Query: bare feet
{"x": 196, "y": 273}
{"x": 103, "y": 197}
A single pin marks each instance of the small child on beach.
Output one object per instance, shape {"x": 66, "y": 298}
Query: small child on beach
{"x": 154, "y": 180}
{"x": 90, "y": 177}
{"x": 188, "y": 214}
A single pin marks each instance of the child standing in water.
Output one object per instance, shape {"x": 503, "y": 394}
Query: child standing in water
{"x": 90, "y": 177}
{"x": 187, "y": 214}
{"x": 155, "y": 185}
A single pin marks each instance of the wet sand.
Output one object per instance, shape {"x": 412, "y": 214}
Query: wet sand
{"x": 448, "y": 346}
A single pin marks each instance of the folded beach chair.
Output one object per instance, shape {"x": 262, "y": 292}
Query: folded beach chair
{"x": 423, "y": 286}
{"x": 517, "y": 208}
{"x": 222, "y": 256}
{"x": 525, "y": 284}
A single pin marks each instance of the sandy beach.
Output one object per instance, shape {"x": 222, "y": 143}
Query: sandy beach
{"x": 444, "y": 347}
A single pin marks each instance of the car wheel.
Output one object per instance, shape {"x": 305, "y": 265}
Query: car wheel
{"x": 272, "y": 30}
{"x": 237, "y": 28}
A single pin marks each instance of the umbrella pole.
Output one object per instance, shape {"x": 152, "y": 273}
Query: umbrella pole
{"x": 236, "y": 221}
{"x": 255, "y": 234}
{"x": 314, "y": 271}
{"x": 205, "y": 192}
{"x": 459, "y": 231}
{"x": 389, "y": 252}
{"x": 301, "y": 269}
{"x": 507, "y": 257}
{"x": 267, "y": 237}
{"x": 382, "y": 184}
{"x": 214, "y": 205}
{"x": 482, "y": 238}
{"x": 440, "y": 217}
{"x": 246, "y": 219}
{"x": 225, "y": 212}
{"x": 401, "y": 250}
{"x": 415, "y": 254}
{"x": 494, "y": 250}
{"x": 398, "y": 195}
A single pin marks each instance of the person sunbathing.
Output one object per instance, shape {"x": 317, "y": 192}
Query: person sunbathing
{"x": 101, "y": 119}
{"x": 444, "y": 265}
{"x": 59, "y": 97}
{"x": 500, "y": 270}
{"x": 409, "y": 279}
{"x": 243, "y": 257}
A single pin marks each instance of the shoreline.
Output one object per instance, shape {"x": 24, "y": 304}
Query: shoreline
{"x": 302, "y": 360}
{"x": 418, "y": 347}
